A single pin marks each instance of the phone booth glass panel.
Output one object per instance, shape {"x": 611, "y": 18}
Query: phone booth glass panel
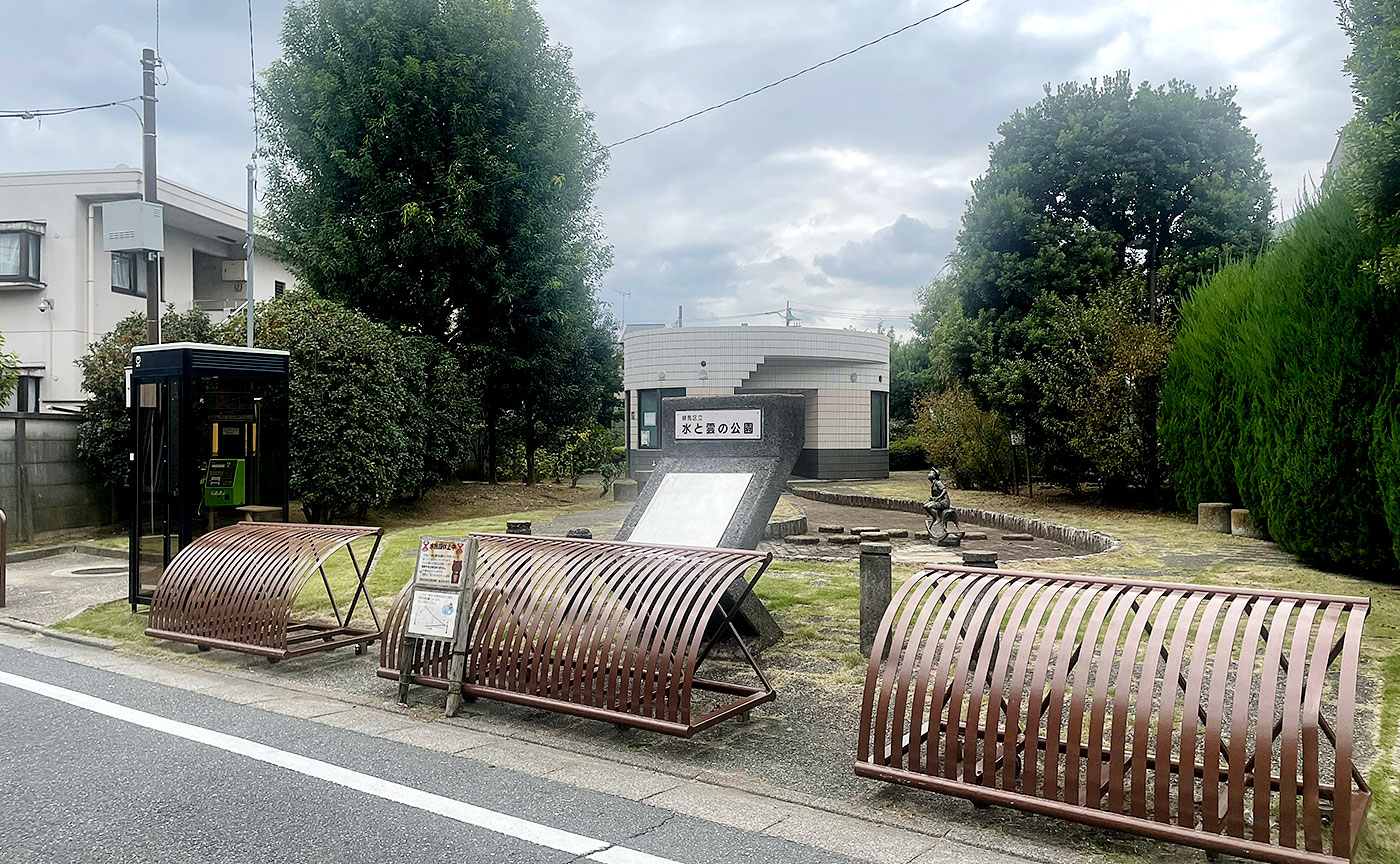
{"x": 209, "y": 446}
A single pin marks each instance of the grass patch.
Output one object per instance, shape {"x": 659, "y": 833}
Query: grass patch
{"x": 109, "y": 621}
{"x": 392, "y": 570}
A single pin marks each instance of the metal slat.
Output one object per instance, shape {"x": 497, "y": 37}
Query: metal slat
{"x": 1179, "y": 712}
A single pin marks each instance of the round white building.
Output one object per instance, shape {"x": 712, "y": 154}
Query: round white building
{"x": 843, "y": 374}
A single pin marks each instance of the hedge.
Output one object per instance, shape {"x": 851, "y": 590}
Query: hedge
{"x": 1280, "y": 394}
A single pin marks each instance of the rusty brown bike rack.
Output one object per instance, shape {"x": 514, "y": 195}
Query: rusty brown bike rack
{"x": 600, "y": 629}
{"x": 1184, "y": 713}
{"x": 234, "y": 588}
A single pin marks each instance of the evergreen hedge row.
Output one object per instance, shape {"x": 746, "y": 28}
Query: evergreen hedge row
{"x": 1282, "y": 394}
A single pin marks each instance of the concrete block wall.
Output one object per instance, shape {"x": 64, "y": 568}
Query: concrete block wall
{"x": 43, "y": 484}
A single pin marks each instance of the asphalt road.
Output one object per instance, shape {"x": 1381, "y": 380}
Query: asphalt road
{"x": 191, "y": 778}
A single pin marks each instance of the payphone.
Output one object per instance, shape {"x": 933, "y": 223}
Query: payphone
{"x": 225, "y": 483}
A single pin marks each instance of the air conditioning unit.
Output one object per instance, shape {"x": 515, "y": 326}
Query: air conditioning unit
{"x": 131, "y": 226}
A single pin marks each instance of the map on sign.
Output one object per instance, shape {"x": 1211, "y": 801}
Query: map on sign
{"x": 433, "y": 614}
{"x": 728, "y": 424}
{"x": 691, "y": 509}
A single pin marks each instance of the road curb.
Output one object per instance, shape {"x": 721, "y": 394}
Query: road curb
{"x": 41, "y": 630}
{"x": 875, "y": 818}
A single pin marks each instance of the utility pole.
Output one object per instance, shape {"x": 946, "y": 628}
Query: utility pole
{"x": 680, "y": 316}
{"x": 788, "y": 317}
{"x": 252, "y": 183}
{"x": 148, "y": 176}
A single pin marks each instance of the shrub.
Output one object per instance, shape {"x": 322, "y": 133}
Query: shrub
{"x": 908, "y": 454}
{"x": 347, "y": 442}
{"x": 968, "y": 442}
{"x": 104, "y": 435}
{"x": 1298, "y": 348}
{"x": 585, "y": 451}
{"x": 442, "y": 413}
{"x": 9, "y": 371}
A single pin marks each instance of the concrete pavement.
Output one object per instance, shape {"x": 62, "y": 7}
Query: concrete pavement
{"x": 81, "y": 785}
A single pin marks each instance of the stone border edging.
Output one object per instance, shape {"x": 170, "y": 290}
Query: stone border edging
{"x": 786, "y": 527}
{"x": 50, "y": 551}
{"x": 1081, "y": 538}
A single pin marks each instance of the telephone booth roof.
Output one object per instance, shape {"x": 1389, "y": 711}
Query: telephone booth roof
{"x": 198, "y": 359}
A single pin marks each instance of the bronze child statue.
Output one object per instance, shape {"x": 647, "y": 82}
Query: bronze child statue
{"x": 940, "y": 510}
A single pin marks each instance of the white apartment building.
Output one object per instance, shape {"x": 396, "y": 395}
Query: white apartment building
{"x": 59, "y": 291}
{"x": 844, "y": 375}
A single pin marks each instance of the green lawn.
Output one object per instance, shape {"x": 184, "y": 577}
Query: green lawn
{"x": 393, "y": 567}
{"x": 817, "y": 604}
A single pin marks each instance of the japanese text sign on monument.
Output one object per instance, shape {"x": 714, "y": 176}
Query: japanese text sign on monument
{"x": 442, "y": 585}
{"x": 732, "y": 424}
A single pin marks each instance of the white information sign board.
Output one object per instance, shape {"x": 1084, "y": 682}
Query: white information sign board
{"x": 442, "y": 583}
{"x": 691, "y": 509}
{"x": 729, "y": 424}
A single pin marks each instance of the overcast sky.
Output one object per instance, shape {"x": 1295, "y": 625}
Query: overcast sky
{"x": 841, "y": 190}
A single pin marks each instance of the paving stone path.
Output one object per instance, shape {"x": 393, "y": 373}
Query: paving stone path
{"x": 908, "y": 549}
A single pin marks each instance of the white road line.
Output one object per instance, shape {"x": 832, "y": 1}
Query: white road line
{"x": 490, "y": 820}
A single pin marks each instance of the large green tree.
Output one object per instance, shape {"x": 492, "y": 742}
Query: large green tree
{"x": 1103, "y": 180}
{"x": 1372, "y": 138}
{"x": 432, "y": 164}
{"x": 1102, "y": 205}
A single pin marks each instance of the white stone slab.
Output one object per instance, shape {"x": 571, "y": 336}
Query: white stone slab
{"x": 691, "y": 509}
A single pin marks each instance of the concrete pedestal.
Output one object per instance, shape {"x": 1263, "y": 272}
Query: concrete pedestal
{"x": 625, "y": 490}
{"x": 1242, "y": 525}
{"x": 1213, "y": 516}
{"x": 876, "y": 589}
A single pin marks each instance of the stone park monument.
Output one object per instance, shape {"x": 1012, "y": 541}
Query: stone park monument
{"x": 724, "y": 462}
{"x": 941, "y": 511}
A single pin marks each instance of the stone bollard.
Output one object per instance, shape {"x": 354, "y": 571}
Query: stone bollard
{"x": 979, "y": 558}
{"x": 518, "y": 527}
{"x": 1213, "y": 516}
{"x": 876, "y": 589}
{"x": 1242, "y": 525}
{"x": 580, "y": 534}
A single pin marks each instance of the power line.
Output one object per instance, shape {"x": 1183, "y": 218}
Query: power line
{"x": 784, "y": 80}
{"x": 606, "y": 148}
{"x": 33, "y": 113}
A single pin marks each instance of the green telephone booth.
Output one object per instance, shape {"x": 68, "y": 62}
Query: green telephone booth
{"x": 208, "y": 436}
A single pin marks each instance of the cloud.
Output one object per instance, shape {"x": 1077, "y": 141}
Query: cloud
{"x": 903, "y": 253}
{"x": 840, "y": 189}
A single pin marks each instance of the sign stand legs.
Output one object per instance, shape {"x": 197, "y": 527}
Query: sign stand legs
{"x": 407, "y": 649}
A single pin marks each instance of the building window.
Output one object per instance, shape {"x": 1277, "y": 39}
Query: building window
{"x": 25, "y": 399}
{"x": 649, "y": 415}
{"x": 279, "y": 288}
{"x": 128, "y": 277}
{"x": 20, "y": 244}
{"x": 129, "y": 274}
{"x": 879, "y": 420}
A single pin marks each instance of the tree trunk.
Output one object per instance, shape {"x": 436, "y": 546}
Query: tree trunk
{"x": 1152, "y": 265}
{"x": 530, "y": 445}
{"x": 492, "y": 442}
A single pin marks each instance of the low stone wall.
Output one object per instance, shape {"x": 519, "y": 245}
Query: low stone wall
{"x": 780, "y": 528}
{"x": 1080, "y": 538}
